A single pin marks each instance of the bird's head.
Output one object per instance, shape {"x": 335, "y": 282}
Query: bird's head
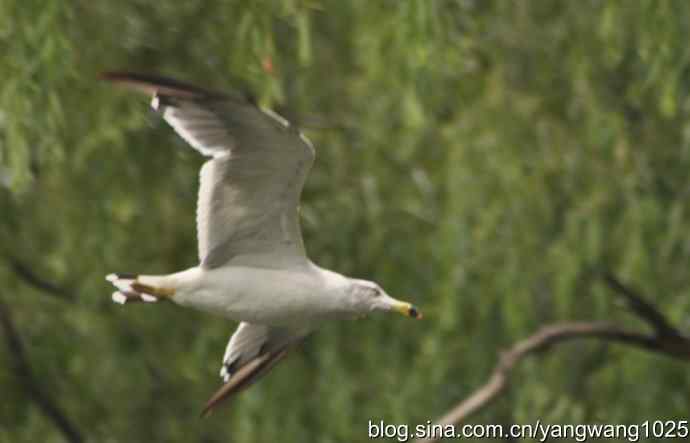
{"x": 367, "y": 296}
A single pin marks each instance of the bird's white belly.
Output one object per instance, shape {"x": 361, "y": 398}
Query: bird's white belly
{"x": 255, "y": 295}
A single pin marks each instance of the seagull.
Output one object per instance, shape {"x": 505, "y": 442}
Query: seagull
{"x": 253, "y": 268}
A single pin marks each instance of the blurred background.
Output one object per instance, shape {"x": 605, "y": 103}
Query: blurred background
{"x": 478, "y": 158}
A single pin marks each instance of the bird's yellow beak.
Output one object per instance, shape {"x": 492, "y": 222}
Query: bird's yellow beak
{"x": 407, "y": 309}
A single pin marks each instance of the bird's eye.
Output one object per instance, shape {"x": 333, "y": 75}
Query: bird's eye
{"x": 376, "y": 292}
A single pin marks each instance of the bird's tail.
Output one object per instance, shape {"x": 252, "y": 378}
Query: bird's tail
{"x": 140, "y": 288}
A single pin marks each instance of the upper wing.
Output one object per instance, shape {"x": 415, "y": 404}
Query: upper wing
{"x": 247, "y": 210}
{"x": 251, "y": 352}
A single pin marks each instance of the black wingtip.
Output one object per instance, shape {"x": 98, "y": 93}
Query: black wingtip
{"x": 244, "y": 377}
{"x": 207, "y": 412}
{"x": 112, "y": 75}
{"x": 158, "y": 84}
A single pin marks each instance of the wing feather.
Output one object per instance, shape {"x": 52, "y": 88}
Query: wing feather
{"x": 251, "y": 352}
{"x": 250, "y": 188}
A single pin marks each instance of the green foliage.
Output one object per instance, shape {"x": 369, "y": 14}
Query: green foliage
{"x": 480, "y": 158}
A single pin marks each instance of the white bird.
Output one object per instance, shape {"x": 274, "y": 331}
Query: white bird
{"x": 253, "y": 267}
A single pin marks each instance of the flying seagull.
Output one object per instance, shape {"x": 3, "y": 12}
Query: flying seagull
{"x": 253, "y": 267}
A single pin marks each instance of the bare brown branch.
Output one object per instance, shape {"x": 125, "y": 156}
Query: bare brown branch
{"x": 665, "y": 340}
{"x": 25, "y": 375}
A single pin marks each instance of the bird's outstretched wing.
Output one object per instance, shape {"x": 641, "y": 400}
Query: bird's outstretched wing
{"x": 247, "y": 211}
{"x": 251, "y": 352}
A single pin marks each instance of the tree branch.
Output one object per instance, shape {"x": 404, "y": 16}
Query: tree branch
{"x": 25, "y": 273}
{"x": 23, "y": 372}
{"x": 665, "y": 340}
{"x": 639, "y": 306}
